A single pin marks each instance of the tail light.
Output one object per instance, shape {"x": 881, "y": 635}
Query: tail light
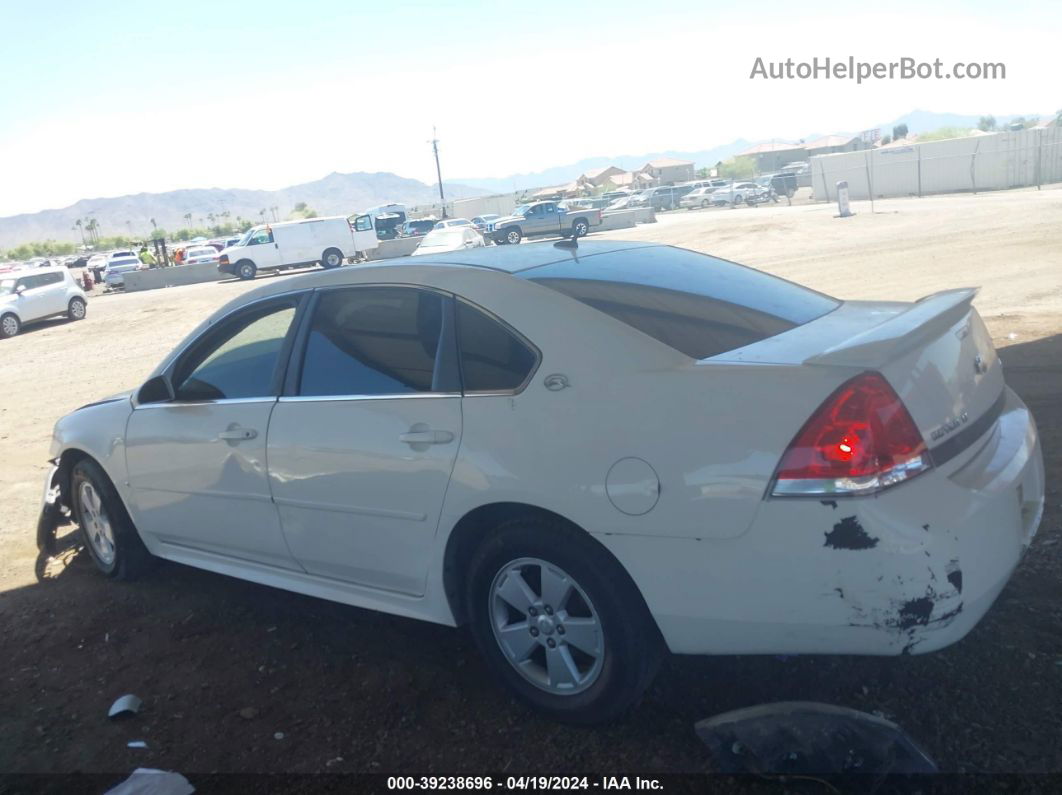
{"x": 859, "y": 441}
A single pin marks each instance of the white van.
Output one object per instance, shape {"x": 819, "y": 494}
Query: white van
{"x": 291, "y": 244}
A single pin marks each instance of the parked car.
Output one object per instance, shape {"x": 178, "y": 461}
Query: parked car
{"x": 622, "y": 203}
{"x": 799, "y": 486}
{"x": 417, "y": 227}
{"x": 114, "y": 272}
{"x": 699, "y": 197}
{"x": 28, "y": 296}
{"x": 735, "y": 194}
{"x": 613, "y": 195}
{"x": 481, "y": 222}
{"x": 542, "y": 218}
{"x": 445, "y": 223}
{"x": 197, "y": 255}
{"x": 666, "y": 197}
{"x": 452, "y": 238}
{"x": 294, "y": 244}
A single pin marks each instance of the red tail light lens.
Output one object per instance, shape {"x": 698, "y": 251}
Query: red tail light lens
{"x": 859, "y": 441}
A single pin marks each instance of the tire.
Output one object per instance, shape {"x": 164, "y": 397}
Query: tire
{"x": 580, "y": 228}
{"x": 737, "y": 200}
{"x": 705, "y": 204}
{"x": 10, "y": 325}
{"x": 246, "y": 270}
{"x": 513, "y": 236}
{"x": 106, "y": 529}
{"x": 76, "y": 309}
{"x": 620, "y": 647}
{"x": 332, "y": 258}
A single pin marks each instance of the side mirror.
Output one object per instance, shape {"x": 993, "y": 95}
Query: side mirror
{"x": 156, "y": 390}
{"x": 20, "y": 289}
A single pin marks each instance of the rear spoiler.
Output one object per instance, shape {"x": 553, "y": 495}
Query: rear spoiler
{"x": 924, "y": 321}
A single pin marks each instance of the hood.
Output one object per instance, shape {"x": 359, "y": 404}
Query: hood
{"x": 505, "y": 219}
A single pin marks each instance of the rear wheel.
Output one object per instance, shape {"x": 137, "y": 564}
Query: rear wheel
{"x": 107, "y": 530}
{"x": 705, "y": 203}
{"x": 559, "y": 621}
{"x": 75, "y": 310}
{"x": 513, "y": 236}
{"x": 246, "y": 269}
{"x": 332, "y": 258}
{"x": 9, "y": 326}
{"x": 580, "y": 228}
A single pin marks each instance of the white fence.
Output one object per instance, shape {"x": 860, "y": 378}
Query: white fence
{"x": 978, "y": 163}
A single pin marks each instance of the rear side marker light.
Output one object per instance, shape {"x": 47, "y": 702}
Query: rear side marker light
{"x": 859, "y": 441}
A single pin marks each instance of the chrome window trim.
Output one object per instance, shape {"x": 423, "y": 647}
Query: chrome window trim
{"x": 346, "y": 398}
{"x": 189, "y": 403}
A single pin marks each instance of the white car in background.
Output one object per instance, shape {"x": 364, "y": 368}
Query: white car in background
{"x": 614, "y": 450}
{"x": 117, "y": 266}
{"x": 197, "y": 255}
{"x": 454, "y": 238}
{"x": 735, "y": 194}
{"x": 30, "y": 295}
{"x": 446, "y": 223}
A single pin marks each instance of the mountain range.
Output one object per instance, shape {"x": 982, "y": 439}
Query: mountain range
{"x": 335, "y": 194}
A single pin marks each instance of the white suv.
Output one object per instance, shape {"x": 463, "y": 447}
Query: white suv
{"x": 26, "y": 296}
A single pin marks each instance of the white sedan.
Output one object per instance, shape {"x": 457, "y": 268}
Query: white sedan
{"x": 589, "y": 455}
{"x": 197, "y": 255}
{"x": 453, "y": 238}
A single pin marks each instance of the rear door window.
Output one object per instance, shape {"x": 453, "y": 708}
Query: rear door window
{"x": 371, "y": 341}
{"x": 699, "y": 305}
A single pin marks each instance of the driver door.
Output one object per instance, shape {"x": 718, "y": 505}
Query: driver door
{"x": 197, "y": 463}
{"x": 264, "y": 251}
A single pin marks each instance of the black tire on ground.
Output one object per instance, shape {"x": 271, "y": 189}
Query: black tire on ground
{"x": 130, "y": 557}
{"x": 513, "y": 236}
{"x": 246, "y": 270}
{"x": 632, "y": 646}
{"x": 331, "y": 258}
{"x": 76, "y": 309}
{"x": 580, "y": 228}
{"x": 9, "y": 326}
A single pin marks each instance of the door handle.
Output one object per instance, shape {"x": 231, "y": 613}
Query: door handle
{"x": 426, "y": 437}
{"x": 238, "y": 434}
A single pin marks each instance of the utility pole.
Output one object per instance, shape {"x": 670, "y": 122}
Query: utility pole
{"x": 438, "y": 171}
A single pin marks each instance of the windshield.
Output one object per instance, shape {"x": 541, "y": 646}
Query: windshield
{"x": 522, "y": 209}
{"x": 243, "y": 241}
{"x": 7, "y": 286}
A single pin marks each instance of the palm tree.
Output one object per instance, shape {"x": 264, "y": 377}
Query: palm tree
{"x": 80, "y": 227}
{"x": 262, "y": 213}
{"x": 153, "y": 224}
{"x": 188, "y": 218}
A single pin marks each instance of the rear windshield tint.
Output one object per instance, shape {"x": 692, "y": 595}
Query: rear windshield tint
{"x": 699, "y": 305}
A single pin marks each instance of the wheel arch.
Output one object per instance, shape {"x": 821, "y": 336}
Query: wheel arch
{"x": 478, "y": 524}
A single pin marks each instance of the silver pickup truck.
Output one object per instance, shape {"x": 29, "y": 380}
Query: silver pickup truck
{"x": 542, "y": 218}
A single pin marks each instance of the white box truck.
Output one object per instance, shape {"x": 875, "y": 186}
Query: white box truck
{"x": 292, "y": 244}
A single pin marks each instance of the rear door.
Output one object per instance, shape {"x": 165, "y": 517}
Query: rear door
{"x": 54, "y": 292}
{"x": 362, "y": 444}
{"x": 364, "y": 234}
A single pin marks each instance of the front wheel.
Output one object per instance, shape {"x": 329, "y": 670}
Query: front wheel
{"x": 75, "y": 310}
{"x": 332, "y": 258}
{"x": 9, "y": 326}
{"x": 246, "y": 269}
{"x": 559, "y": 621}
{"x": 513, "y": 236}
{"x": 106, "y": 528}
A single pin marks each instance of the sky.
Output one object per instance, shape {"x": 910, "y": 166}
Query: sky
{"x": 113, "y": 98}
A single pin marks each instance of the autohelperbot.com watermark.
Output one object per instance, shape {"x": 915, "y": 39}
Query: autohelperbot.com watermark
{"x": 860, "y": 71}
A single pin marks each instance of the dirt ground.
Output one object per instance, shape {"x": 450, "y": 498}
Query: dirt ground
{"x": 223, "y": 665}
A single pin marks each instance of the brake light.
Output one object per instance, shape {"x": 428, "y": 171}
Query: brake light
{"x": 860, "y": 440}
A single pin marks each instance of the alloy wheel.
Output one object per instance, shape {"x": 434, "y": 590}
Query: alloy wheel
{"x": 96, "y": 523}
{"x": 546, "y": 626}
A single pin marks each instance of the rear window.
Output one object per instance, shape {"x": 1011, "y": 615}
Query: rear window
{"x": 699, "y": 305}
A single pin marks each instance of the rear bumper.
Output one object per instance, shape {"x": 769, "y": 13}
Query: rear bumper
{"x": 909, "y": 571}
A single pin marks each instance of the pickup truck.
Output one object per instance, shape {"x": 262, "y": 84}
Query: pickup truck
{"x": 542, "y": 218}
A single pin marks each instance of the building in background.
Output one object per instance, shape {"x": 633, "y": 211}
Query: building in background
{"x": 772, "y": 156}
{"x": 667, "y": 171}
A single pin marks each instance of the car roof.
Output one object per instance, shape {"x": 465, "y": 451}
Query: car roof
{"x": 513, "y": 259}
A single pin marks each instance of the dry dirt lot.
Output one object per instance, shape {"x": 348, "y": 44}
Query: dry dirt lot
{"x": 223, "y": 665}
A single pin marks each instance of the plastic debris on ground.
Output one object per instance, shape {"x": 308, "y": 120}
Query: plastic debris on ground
{"x": 805, "y": 738}
{"x": 124, "y": 706}
{"x": 148, "y": 781}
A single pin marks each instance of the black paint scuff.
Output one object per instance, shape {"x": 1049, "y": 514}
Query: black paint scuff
{"x": 849, "y": 534}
